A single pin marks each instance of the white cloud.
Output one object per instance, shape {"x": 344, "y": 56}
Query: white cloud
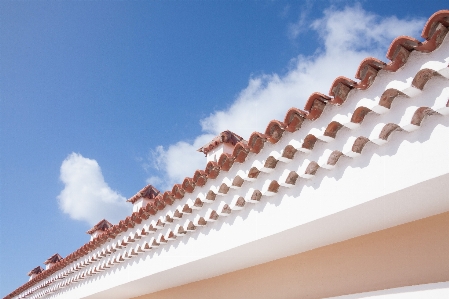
{"x": 86, "y": 196}
{"x": 300, "y": 26}
{"x": 347, "y": 37}
{"x": 155, "y": 181}
{"x": 178, "y": 161}
{"x": 355, "y": 29}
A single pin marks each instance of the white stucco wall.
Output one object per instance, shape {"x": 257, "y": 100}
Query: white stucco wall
{"x": 140, "y": 203}
{"x": 215, "y": 154}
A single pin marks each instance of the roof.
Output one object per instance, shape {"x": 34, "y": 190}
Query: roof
{"x": 400, "y": 49}
{"x": 148, "y": 192}
{"x": 36, "y": 270}
{"x": 53, "y": 259}
{"x": 103, "y": 225}
{"x": 224, "y": 137}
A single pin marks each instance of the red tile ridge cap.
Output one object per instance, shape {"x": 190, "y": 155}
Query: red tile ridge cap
{"x": 53, "y": 259}
{"x": 102, "y": 225}
{"x": 224, "y": 137}
{"x": 148, "y": 192}
{"x": 36, "y": 270}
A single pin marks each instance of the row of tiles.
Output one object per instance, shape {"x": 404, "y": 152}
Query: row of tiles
{"x": 434, "y": 32}
{"x": 238, "y": 202}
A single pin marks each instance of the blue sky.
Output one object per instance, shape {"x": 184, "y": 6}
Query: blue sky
{"x": 99, "y": 98}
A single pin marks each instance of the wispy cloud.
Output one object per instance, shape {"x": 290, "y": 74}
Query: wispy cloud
{"x": 301, "y": 25}
{"x": 285, "y": 11}
{"x": 86, "y": 196}
{"x": 178, "y": 161}
{"x": 347, "y": 36}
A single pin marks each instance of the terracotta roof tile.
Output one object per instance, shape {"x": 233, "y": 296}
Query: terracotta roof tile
{"x": 294, "y": 119}
{"x": 340, "y": 89}
{"x": 226, "y": 161}
{"x": 36, "y": 270}
{"x": 188, "y": 185}
{"x": 438, "y": 19}
{"x": 53, "y": 259}
{"x": 148, "y": 192}
{"x": 274, "y": 131}
{"x": 102, "y": 225}
{"x": 367, "y": 71}
{"x": 223, "y": 137}
{"x": 212, "y": 169}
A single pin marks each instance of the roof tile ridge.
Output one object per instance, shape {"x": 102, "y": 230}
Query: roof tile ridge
{"x": 258, "y": 139}
{"x": 434, "y": 32}
{"x": 388, "y": 96}
{"x": 419, "y": 81}
{"x": 224, "y": 137}
{"x": 140, "y": 194}
{"x": 200, "y": 176}
{"x": 369, "y": 68}
{"x": 39, "y": 277}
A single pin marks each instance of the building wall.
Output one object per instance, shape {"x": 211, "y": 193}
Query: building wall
{"x": 409, "y": 254}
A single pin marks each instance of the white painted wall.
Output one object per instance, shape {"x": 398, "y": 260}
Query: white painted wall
{"x": 215, "y": 154}
{"x": 94, "y": 235}
{"x": 140, "y": 203}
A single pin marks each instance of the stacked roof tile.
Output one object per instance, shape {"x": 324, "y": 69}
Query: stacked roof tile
{"x": 103, "y": 225}
{"x": 148, "y": 192}
{"x": 89, "y": 259}
{"x": 36, "y": 270}
{"x": 53, "y": 259}
{"x": 224, "y": 137}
